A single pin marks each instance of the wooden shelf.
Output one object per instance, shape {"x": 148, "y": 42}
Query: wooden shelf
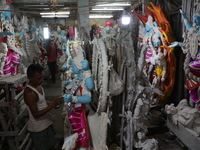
{"x": 187, "y": 136}
{"x": 15, "y": 80}
{"x": 13, "y": 117}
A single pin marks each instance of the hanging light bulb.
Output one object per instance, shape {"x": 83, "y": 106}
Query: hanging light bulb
{"x": 46, "y": 31}
{"x": 125, "y": 18}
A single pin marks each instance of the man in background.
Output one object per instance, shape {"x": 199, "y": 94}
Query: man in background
{"x": 52, "y": 58}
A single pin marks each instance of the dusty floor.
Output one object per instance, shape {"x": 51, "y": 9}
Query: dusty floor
{"x": 166, "y": 140}
{"x": 54, "y": 90}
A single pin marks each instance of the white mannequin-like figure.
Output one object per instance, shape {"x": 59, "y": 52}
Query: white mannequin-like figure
{"x": 11, "y": 41}
{"x": 158, "y": 54}
{"x": 22, "y": 36}
{"x": 78, "y": 93}
{"x": 40, "y": 34}
{"x": 142, "y": 105}
{"x": 33, "y": 31}
{"x": 59, "y": 35}
{"x": 185, "y": 115}
{"x": 155, "y": 56}
{"x": 108, "y": 35}
{"x": 190, "y": 46}
{"x": 3, "y": 52}
{"x": 161, "y": 70}
{"x": 35, "y": 50}
{"x": 64, "y": 40}
{"x": 142, "y": 100}
{"x": 26, "y": 39}
{"x": 144, "y": 143}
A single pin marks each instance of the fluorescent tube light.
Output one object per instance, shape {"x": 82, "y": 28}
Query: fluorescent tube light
{"x": 107, "y": 9}
{"x": 55, "y": 13}
{"x": 100, "y": 16}
{"x": 42, "y": 8}
{"x": 41, "y": 5}
{"x": 52, "y": 16}
{"x": 47, "y": 13}
{"x": 115, "y": 4}
{"x": 63, "y": 12}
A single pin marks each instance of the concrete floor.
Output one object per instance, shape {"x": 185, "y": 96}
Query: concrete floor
{"x": 166, "y": 140}
{"x": 54, "y": 90}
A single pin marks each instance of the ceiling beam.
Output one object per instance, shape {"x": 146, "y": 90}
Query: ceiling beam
{"x": 42, "y": 1}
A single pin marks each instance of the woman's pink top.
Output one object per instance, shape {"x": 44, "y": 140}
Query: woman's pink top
{"x": 52, "y": 53}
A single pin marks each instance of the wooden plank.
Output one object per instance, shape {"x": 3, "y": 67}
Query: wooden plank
{"x": 15, "y": 80}
{"x": 20, "y": 116}
{"x": 16, "y": 138}
{"x": 3, "y": 121}
{"x": 1, "y": 142}
{"x": 28, "y": 147}
{"x": 18, "y": 96}
{"x": 22, "y": 132}
{"x": 11, "y": 143}
{"x": 188, "y": 137}
{"x": 2, "y": 95}
{"x": 9, "y": 133}
{"x": 8, "y": 104}
{"x": 4, "y": 77}
{"x": 24, "y": 141}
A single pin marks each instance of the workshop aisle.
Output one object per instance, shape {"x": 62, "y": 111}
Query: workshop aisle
{"x": 54, "y": 90}
{"x": 166, "y": 140}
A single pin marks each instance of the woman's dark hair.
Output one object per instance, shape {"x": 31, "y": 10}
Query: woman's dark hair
{"x": 33, "y": 68}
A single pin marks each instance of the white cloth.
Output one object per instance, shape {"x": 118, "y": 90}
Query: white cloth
{"x": 37, "y": 125}
{"x": 70, "y": 142}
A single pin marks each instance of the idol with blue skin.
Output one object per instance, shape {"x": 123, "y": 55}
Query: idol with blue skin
{"x": 64, "y": 42}
{"x": 155, "y": 55}
{"x": 80, "y": 93}
{"x": 6, "y": 14}
{"x": 34, "y": 33}
{"x": 148, "y": 29}
{"x": 87, "y": 83}
{"x": 5, "y": 17}
{"x": 157, "y": 59}
{"x": 152, "y": 39}
{"x": 61, "y": 38}
{"x": 190, "y": 46}
{"x": 32, "y": 28}
{"x": 189, "y": 26}
{"x": 6, "y": 32}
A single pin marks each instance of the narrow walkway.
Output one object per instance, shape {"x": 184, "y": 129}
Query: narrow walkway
{"x": 54, "y": 90}
{"x": 166, "y": 141}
